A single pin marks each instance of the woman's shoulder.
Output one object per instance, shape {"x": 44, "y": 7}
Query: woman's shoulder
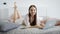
{"x": 25, "y": 17}
{"x": 38, "y": 17}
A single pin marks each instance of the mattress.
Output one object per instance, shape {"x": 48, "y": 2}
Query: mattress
{"x": 54, "y": 30}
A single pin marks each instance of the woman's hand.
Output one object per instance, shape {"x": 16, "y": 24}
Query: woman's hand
{"x": 42, "y": 25}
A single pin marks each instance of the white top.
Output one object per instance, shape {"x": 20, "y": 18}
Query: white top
{"x": 26, "y": 20}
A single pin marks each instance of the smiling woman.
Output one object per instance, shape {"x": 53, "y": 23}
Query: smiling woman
{"x": 32, "y": 15}
{"x": 31, "y": 20}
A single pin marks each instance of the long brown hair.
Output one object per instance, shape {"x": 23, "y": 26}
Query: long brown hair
{"x": 34, "y": 22}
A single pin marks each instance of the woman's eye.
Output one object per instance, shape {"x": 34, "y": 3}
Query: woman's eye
{"x": 31, "y": 10}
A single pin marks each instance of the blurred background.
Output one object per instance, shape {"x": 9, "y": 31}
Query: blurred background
{"x": 50, "y": 8}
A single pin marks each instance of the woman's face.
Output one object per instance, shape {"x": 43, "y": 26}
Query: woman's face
{"x": 32, "y": 11}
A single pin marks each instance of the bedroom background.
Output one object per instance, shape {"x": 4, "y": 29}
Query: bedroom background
{"x": 50, "y": 8}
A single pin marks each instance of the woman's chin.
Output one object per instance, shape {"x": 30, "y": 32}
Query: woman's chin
{"x": 32, "y": 14}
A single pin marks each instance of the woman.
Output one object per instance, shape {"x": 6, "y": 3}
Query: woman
{"x": 31, "y": 20}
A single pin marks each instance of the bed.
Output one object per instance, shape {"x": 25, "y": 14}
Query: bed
{"x": 54, "y": 30}
{"x": 22, "y": 30}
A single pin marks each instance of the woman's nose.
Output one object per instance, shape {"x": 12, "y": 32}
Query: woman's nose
{"x": 33, "y": 11}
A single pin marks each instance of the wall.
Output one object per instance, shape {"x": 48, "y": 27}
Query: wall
{"x": 44, "y": 7}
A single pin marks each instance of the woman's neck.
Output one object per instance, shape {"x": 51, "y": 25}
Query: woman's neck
{"x": 32, "y": 16}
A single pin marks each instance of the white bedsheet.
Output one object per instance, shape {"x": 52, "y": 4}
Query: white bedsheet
{"x": 55, "y": 30}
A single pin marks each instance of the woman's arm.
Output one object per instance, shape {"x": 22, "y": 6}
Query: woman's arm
{"x": 23, "y": 23}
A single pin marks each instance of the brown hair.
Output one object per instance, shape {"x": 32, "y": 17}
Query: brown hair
{"x": 34, "y": 22}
